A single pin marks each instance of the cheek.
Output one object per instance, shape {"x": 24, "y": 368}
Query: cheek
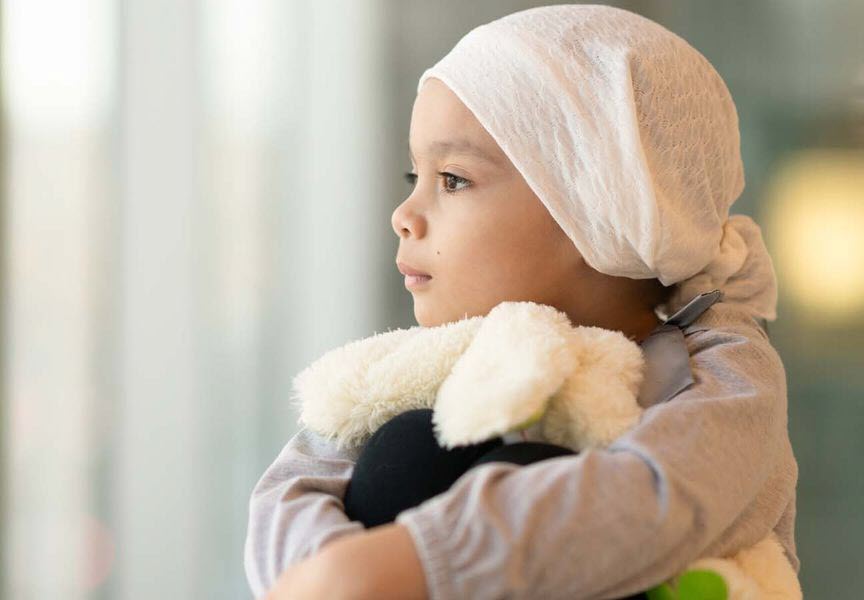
{"x": 494, "y": 259}
{"x": 483, "y": 252}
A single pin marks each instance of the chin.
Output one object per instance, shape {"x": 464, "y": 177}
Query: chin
{"x": 423, "y": 319}
{"x": 426, "y": 315}
{"x": 426, "y": 318}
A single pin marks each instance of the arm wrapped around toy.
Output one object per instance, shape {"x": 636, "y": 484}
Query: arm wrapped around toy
{"x": 521, "y": 368}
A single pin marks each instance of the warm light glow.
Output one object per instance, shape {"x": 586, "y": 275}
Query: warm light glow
{"x": 816, "y": 227}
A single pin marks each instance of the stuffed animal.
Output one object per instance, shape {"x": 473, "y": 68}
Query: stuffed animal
{"x": 521, "y": 370}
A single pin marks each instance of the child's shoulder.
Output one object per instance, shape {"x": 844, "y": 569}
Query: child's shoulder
{"x": 728, "y": 336}
{"x": 725, "y": 319}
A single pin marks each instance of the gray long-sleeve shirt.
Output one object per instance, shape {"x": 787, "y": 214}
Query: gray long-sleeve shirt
{"x": 708, "y": 470}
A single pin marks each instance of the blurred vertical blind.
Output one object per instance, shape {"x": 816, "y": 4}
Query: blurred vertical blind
{"x": 196, "y": 203}
{"x": 58, "y": 96}
{"x": 191, "y": 216}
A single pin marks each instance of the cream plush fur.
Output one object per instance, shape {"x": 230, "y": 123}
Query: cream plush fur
{"x": 484, "y": 376}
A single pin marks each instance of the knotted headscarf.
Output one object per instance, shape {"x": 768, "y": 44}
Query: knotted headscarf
{"x": 629, "y": 137}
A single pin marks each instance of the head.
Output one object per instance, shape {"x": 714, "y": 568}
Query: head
{"x": 473, "y": 223}
{"x": 609, "y": 158}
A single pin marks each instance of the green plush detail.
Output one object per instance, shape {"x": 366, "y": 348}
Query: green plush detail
{"x": 662, "y": 592}
{"x": 536, "y": 416}
{"x": 702, "y": 585}
{"x": 692, "y": 585}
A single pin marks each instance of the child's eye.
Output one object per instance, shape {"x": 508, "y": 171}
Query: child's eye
{"x": 446, "y": 177}
{"x": 450, "y": 177}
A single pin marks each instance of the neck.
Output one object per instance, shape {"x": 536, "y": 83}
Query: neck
{"x": 634, "y": 324}
{"x": 642, "y": 327}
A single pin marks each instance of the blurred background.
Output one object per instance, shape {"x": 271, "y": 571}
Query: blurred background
{"x": 196, "y": 201}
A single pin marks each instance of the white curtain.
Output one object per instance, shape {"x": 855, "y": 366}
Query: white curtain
{"x": 197, "y": 204}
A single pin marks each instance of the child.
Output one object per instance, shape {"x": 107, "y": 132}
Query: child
{"x": 584, "y": 157}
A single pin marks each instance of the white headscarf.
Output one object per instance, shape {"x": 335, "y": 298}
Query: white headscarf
{"x": 630, "y": 139}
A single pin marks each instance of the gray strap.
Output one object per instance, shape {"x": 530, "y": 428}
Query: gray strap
{"x": 667, "y": 366}
{"x": 693, "y": 309}
{"x": 699, "y": 304}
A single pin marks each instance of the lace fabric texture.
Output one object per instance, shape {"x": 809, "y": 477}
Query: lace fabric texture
{"x": 629, "y": 137}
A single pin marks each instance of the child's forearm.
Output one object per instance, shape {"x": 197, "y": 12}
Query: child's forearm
{"x": 380, "y": 564}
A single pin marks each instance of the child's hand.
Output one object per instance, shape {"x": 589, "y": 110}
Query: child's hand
{"x": 304, "y": 580}
{"x": 379, "y": 564}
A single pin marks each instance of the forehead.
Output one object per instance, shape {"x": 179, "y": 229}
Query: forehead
{"x": 456, "y": 147}
{"x": 441, "y": 125}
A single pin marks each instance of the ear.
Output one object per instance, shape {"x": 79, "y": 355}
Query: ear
{"x": 519, "y": 357}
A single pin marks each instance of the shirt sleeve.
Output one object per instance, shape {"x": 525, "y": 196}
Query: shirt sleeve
{"x": 608, "y": 523}
{"x": 296, "y": 507}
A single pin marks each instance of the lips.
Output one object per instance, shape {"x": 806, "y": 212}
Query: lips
{"x": 416, "y": 281}
{"x": 407, "y": 269}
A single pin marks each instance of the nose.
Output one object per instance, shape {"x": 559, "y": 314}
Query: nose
{"x": 406, "y": 221}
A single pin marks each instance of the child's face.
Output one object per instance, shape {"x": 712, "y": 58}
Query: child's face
{"x": 484, "y": 238}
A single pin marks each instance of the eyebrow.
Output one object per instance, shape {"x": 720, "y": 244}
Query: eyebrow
{"x": 457, "y": 146}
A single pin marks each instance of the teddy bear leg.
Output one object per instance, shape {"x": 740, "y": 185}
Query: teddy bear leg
{"x": 401, "y": 465}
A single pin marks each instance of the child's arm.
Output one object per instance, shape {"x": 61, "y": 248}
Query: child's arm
{"x": 705, "y": 473}
{"x": 296, "y": 507}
